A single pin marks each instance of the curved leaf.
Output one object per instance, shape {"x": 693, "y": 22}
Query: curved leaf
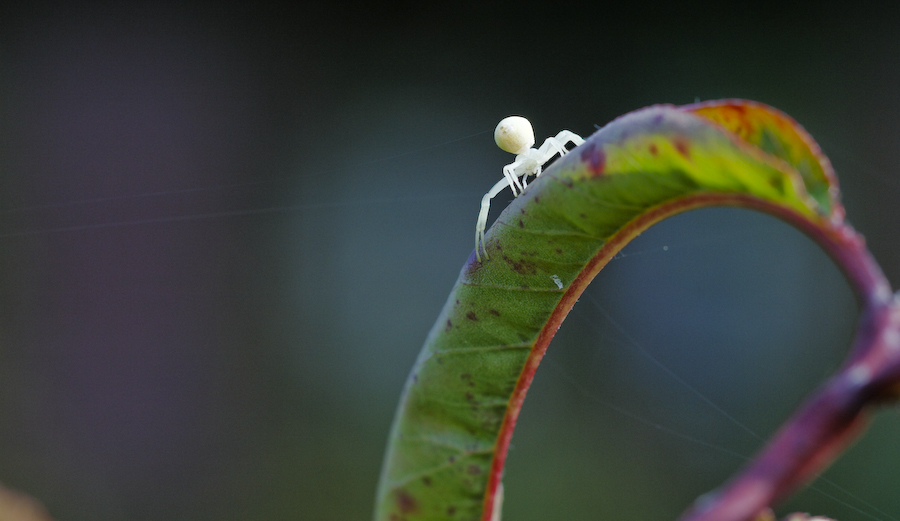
{"x": 778, "y": 134}
{"x": 449, "y": 439}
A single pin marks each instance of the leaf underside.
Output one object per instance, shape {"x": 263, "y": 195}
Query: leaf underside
{"x": 452, "y": 429}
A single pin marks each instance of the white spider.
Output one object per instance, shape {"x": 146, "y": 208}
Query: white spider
{"x": 515, "y": 135}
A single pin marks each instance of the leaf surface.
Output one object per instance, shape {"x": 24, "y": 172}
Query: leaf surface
{"x": 455, "y": 419}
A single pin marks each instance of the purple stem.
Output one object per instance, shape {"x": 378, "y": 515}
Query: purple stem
{"x": 836, "y": 413}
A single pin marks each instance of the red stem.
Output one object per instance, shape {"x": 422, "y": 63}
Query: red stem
{"x": 835, "y": 414}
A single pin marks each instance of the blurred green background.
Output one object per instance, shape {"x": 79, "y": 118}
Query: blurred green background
{"x": 225, "y": 231}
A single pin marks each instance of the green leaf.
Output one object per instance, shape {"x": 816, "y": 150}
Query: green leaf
{"x": 449, "y": 440}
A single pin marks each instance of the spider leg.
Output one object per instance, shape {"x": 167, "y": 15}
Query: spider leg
{"x": 565, "y": 136}
{"x": 512, "y": 178}
{"x": 557, "y": 144}
{"x": 482, "y": 218}
{"x": 550, "y": 148}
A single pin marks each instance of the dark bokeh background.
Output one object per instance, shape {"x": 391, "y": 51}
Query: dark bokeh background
{"x": 225, "y": 232}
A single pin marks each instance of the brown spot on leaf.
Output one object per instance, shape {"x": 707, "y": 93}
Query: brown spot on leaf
{"x": 494, "y": 312}
{"x": 469, "y": 396}
{"x": 472, "y": 316}
{"x": 595, "y": 158}
{"x": 466, "y": 376}
{"x": 522, "y": 267}
{"x": 405, "y": 502}
{"x": 449, "y": 325}
{"x": 473, "y": 470}
{"x": 426, "y": 480}
{"x": 681, "y": 145}
{"x": 521, "y": 224}
{"x": 653, "y": 149}
{"x": 451, "y": 510}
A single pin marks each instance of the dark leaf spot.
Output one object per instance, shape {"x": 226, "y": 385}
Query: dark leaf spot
{"x": 474, "y": 470}
{"x": 406, "y": 502}
{"x": 466, "y": 376}
{"x": 469, "y": 396}
{"x": 653, "y": 149}
{"x": 777, "y": 183}
{"x": 451, "y": 510}
{"x": 521, "y": 224}
{"x": 522, "y": 267}
{"x": 682, "y": 147}
{"x": 449, "y": 325}
{"x": 596, "y": 161}
{"x": 494, "y": 312}
{"x": 426, "y": 480}
{"x": 472, "y": 316}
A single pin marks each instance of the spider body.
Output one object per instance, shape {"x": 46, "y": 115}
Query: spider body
{"x": 514, "y": 134}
